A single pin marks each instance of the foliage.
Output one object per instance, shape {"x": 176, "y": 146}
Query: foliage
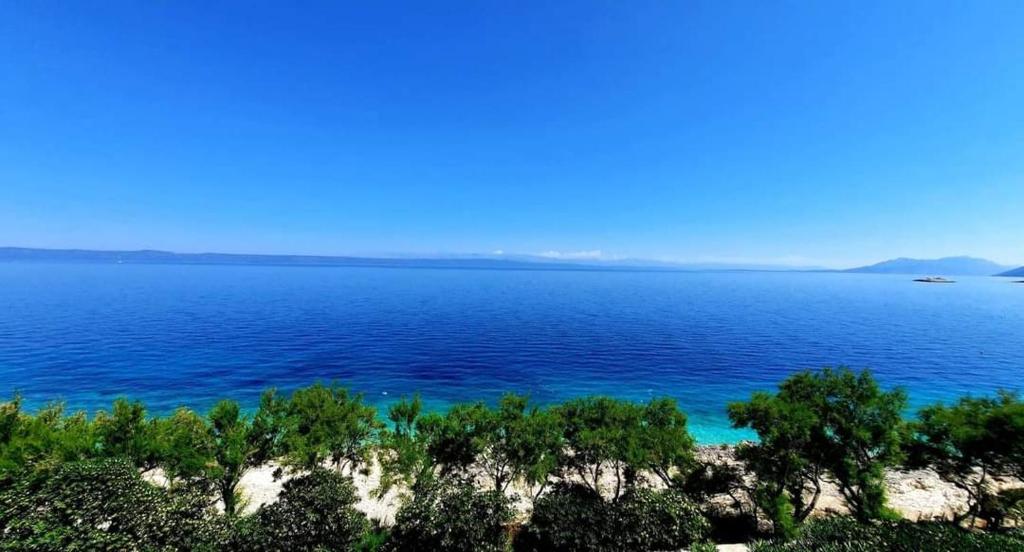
{"x": 47, "y": 439}
{"x": 238, "y": 444}
{"x": 182, "y": 446}
{"x": 514, "y": 442}
{"x": 314, "y": 512}
{"x": 846, "y": 535}
{"x": 373, "y": 540}
{"x": 70, "y": 483}
{"x": 657, "y": 520}
{"x": 454, "y": 516}
{"x": 569, "y": 518}
{"x": 517, "y": 442}
{"x": 125, "y": 432}
{"x": 837, "y": 422}
{"x": 705, "y": 546}
{"x": 788, "y": 458}
{"x": 664, "y": 445}
{"x": 327, "y": 423}
{"x": 971, "y": 442}
{"x": 101, "y": 505}
{"x": 603, "y": 435}
{"x": 864, "y": 431}
{"x": 402, "y": 452}
{"x": 450, "y": 438}
{"x": 574, "y": 517}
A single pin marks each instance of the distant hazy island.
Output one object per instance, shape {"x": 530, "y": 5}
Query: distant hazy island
{"x": 1014, "y": 273}
{"x": 951, "y": 266}
{"x": 955, "y": 266}
{"x": 479, "y": 261}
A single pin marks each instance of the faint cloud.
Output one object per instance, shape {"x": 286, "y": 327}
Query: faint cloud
{"x": 498, "y": 252}
{"x": 593, "y": 254}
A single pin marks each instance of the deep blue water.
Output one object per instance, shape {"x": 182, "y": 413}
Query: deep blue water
{"x": 173, "y": 335}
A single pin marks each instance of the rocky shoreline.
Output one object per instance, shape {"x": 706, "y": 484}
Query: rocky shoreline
{"x": 915, "y": 494}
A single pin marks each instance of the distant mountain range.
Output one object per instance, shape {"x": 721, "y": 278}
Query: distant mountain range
{"x": 948, "y": 266}
{"x": 1015, "y": 272}
{"x": 508, "y": 262}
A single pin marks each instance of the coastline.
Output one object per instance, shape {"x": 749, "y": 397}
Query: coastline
{"x": 916, "y": 494}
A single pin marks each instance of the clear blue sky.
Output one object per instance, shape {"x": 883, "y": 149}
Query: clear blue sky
{"x": 807, "y": 132}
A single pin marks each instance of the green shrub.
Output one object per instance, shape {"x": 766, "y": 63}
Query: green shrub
{"x": 841, "y": 534}
{"x": 453, "y": 516}
{"x": 575, "y": 518}
{"x": 569, "y": 518}
{"x": 102, "y": 505}
{"x": 657, "y": 520}
{"x": 373, "y": 540}
{"x": 314, "y": 512}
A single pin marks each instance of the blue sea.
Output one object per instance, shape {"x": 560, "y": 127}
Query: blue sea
{"x": 189, "y": 335}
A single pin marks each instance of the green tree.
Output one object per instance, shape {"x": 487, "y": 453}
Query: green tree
{"x": 664, "y": 445}
{"x": 832, "y": 421}
{"x": 44, "y": 440}
{"x": 786, "y": 459}
{"x": 514, "y": 442}
{"x": 327, "y": 423}
{"x": 125, "y": 432}
{"x": 598, "y": 433}
{"x": 183, "y": 447}
{"x": 864, "y": 433}
{"x": 517, "y": 442}
{"x": 239, "y": 444}
{"x": 402, "y": 452}
{"x": 971, "y": 442}
{"x": 452, "y": 439}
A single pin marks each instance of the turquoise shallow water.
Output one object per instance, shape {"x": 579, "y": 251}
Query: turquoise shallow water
{"x": 173, "y": 335}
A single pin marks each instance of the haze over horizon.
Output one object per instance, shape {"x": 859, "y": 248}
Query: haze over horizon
{"x": 706, "y": 132}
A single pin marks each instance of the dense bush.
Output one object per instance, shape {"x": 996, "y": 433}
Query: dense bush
{"x": 846, "y": 535}
{"x": 454, "y": 516}
{"x": 575, "y": 518}
{"x": 314, "y": 512}
{"x": 102, "y": 505}
{"x": 657, "y": 520}
{"x": 571, "y": 518}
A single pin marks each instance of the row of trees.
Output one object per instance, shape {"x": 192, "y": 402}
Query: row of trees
{"x": 585, "y": 460}
{"x": 839, "y": 425}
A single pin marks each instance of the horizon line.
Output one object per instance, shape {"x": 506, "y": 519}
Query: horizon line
{"x": 549, "y": 258}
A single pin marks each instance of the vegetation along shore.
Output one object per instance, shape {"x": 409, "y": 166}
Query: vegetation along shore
{"x": 836, "y": 466}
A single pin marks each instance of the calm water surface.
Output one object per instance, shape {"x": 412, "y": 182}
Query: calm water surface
{"x": 174, "y": 335}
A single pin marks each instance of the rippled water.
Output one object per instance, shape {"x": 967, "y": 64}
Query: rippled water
{"x": 173, "y": 335}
